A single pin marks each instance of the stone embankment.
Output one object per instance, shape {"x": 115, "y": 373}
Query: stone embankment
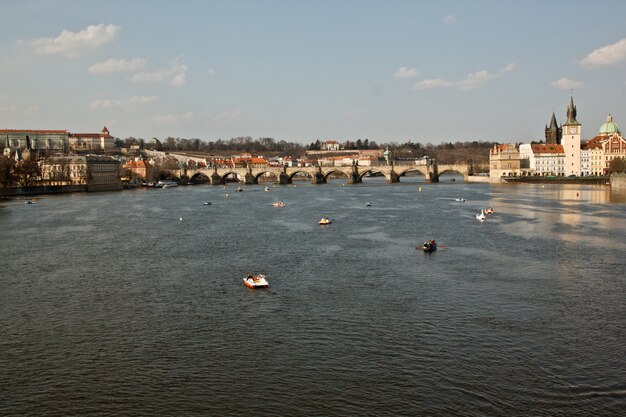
{"x": 618, "y": 181}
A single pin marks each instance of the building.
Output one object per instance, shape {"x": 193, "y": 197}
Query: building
{"x": 504, "y": 161}
{"x": 91, "y": 141}
{"x": 607, "y": 145}
{"x": 96, "y": 173}
{"x": 141, "y": 169}
{"x": 330, "y": 145}
{"x": 55, "y": 140}
{"x": 553, "y": 132}
{"x": 571, "y": 141}
{"x": 49, "y": 140}
{"x": 543, "y": 160}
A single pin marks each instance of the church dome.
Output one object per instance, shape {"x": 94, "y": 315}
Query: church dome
{"x": 609, "y": 127}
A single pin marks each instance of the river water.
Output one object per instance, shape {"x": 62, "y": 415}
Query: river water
{"x": 132, "y": 303}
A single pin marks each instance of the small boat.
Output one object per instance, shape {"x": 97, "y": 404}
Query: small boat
{"x": 256, "y": 281}
{"x": 428, "y": 246}
{"x": 325, "y": 220}
{"x": 280, "y": 203}
{"x": 368, "y": 204}
{"x": 239, "y": 189}
{"x": 460, "y": 200}
{"x": 481, "y": 216}
{"x": 489, "y": 210}
{"x": 207, "y": 203}
{"x": 31, "y": 201}
{"x": 266, "y": 188}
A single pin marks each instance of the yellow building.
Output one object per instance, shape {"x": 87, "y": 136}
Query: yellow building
{"x": 97, "y": 173}
{"x": 504, "y": 161}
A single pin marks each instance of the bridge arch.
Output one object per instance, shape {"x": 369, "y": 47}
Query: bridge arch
{"x": 199, "y": 178}
{"x": 420, "y": 170}
{"x": 335, "y": 171}
{"x": 454, "y": 169}
{"x": 299, "y": 172}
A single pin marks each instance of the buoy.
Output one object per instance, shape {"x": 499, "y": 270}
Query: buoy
{"x": 419, "y": 189}
{"x": 181, "y": 219}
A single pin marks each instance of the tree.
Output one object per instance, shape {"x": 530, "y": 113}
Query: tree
{"x": 617, "y": 165}
{"x": 26, "y": 171}
{"x": 6, "y": 168}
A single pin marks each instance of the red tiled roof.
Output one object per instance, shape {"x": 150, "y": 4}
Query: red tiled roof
{"x": 594, "y": 143}
{"x": 31, "y": 131}
{"x": 538, "y": 148}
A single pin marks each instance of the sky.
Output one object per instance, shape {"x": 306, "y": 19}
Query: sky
{"x": 385, "y": 70}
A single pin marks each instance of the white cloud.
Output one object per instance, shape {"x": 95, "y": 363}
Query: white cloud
{"x": 449, "y": 19}
{"x": 176, "y": 75}
{"x": 73, "y": 44}
{"x": 432, "y": 83}
{"x": 172, "y": 118}
{"x": 566, "y": 84}
{"x": 474, "y": 80}
{"x": 480, "y": 77}
{"x": 117, "y": 65}
{"x": 124, "y": 103}
{"x": 149, "y": 77}
{"x": 606, "y": 55}
{"x": 405, "y": 72}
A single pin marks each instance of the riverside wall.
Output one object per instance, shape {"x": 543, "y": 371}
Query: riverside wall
{"x": 618, "y": 181}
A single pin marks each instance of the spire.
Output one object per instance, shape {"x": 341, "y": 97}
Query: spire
{"x": 571, "y": 113}
{"x": 553, "y": 124}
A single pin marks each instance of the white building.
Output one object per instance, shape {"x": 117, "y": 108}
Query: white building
{"x": 330, "y": 145}
{"x": 543, "y": 160}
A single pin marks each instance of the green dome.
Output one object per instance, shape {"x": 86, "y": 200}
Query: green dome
{"x": 609, "y": 127}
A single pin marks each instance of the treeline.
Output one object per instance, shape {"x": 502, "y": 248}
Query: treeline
{"x": 446, "y": 152}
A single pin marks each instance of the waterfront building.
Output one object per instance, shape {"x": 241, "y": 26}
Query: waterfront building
{"x": 553, "y": 132}
{"x": 571, "y": 141}
{"x": 141, "y": 168}
{"x": 543, "y": 160}
{"x": 607, "y": 145}
{"x": 585, "y": 162}
{"x": 504, "y": 161}
{"x": 96, "y": 173}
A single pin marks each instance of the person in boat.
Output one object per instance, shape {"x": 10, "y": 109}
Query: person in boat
{"x": 250, "y": 277}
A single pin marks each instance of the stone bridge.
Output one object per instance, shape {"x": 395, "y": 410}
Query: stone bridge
{"x": 320, "y": 174}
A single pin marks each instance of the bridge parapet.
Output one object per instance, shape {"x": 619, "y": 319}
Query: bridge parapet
{"x": 320, "y": 175}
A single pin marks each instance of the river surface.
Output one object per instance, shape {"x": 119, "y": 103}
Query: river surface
{"x": 132, "y": 303}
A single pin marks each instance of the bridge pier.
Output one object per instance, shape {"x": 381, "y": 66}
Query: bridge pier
{"x": 284, "y": 178}
{"x": 355, "y": 177}
{"x": 215, "y": 178}
{"x": 393, "y": 177}
{"x": 249, "y": 179}
{"x": 319, "y": 177}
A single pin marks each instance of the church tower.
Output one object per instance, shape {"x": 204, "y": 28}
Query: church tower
{"x": 554, "y": 132}
{"x": 571, "y": 141}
